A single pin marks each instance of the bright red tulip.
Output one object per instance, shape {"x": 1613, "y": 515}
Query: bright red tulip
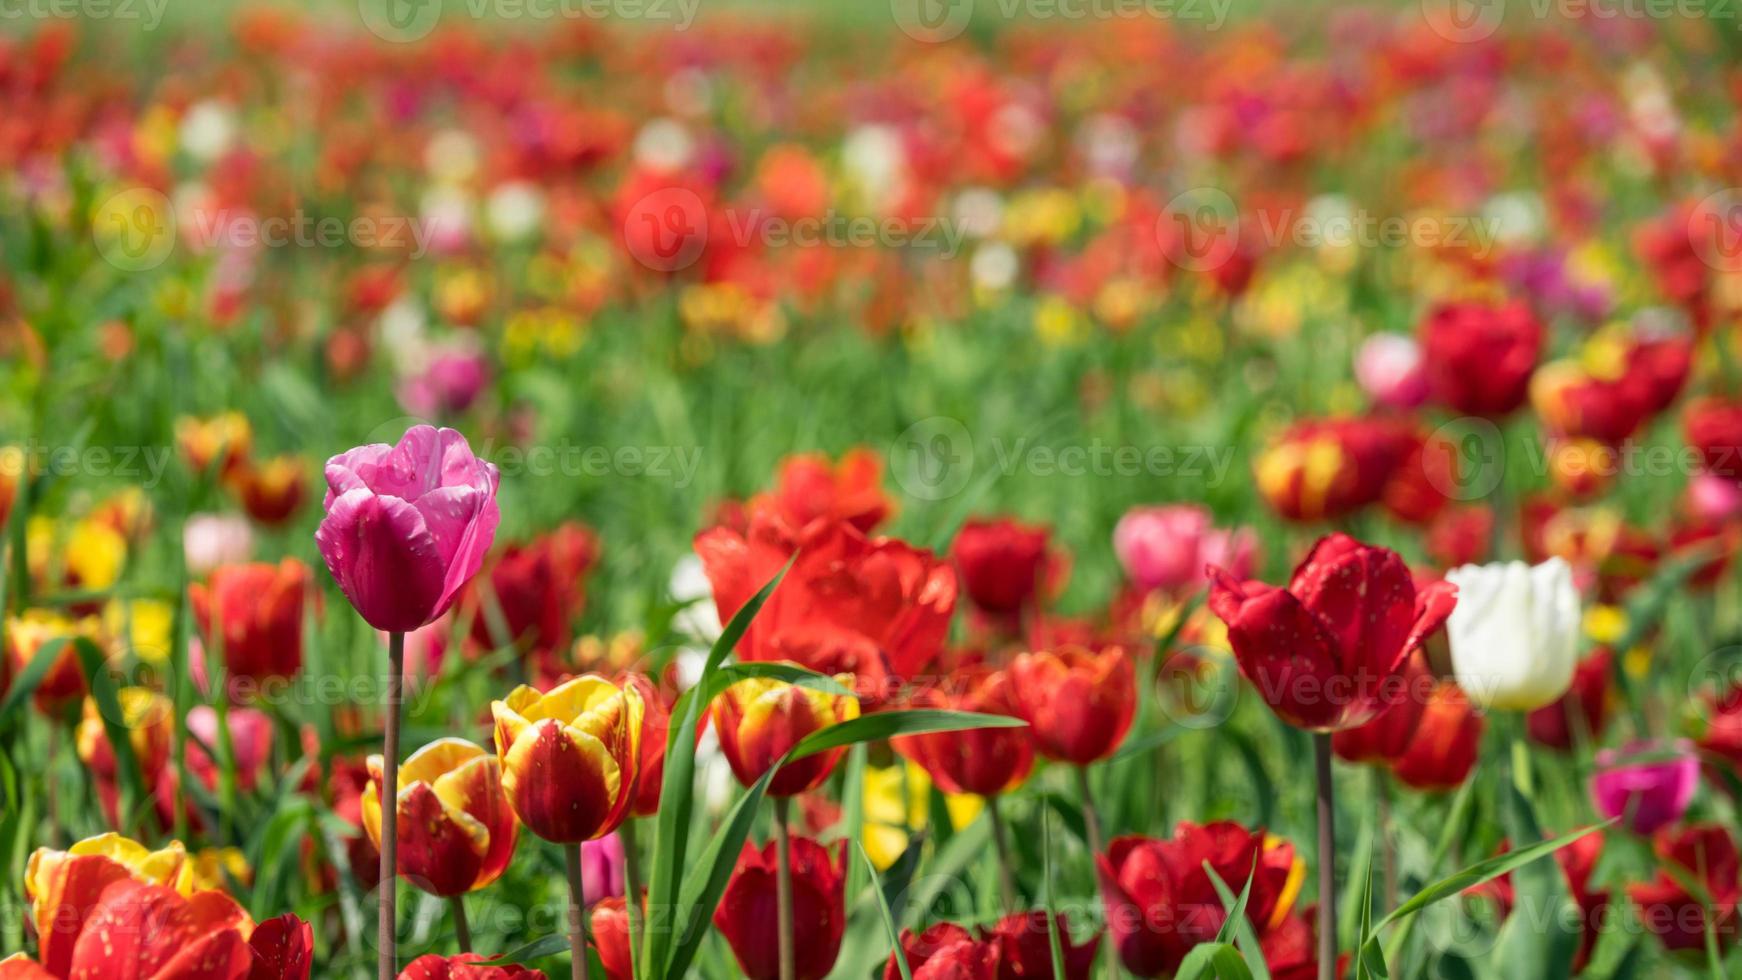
{"x": 1322, "y": 652}
{"x": 1078, "y": 704}
{"x": 939, "y": 940}
{"x": 1005, "y": 566}
{"x": 466, "y": 966}
{"x": 1479, "y": 357}
{"x": 539, "y": 588}
{"x": 1388, "y": 734}
{"x": 609, "y": 921}
{"x": 746, "y": 914}
{"x": 878, "y": 609}
{"x": 407, "y": 525}
{"x": 1713, "y": 427}
{"x": 456, "y": 831}
{"x": 254, "y": 614}
{"x": 810, "y": 488}
{"x": 986, "y": 761}
{"x": 759, "y": 720}
{"x": 1160, "y": 902}
{"x": 1443, "y": 751}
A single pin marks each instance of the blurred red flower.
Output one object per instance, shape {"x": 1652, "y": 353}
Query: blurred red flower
{"x": 1078, "y": 703}
{"x": 1479, "y": 356}
{"x": 746, "y": 914}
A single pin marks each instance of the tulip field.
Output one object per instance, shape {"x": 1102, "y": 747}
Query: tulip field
{"x": 936, "y": 490}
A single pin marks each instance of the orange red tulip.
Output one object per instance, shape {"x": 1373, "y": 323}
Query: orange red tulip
{"x": 1078, "y": 703}
{"x": 758, "y": 720}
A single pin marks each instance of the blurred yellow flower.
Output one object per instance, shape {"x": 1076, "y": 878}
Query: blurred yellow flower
{"x": 890, "y": 821}
{"x": 1057, "y": 323}
{"x": 214, "y": 867}
{"x": 147, "y": 626}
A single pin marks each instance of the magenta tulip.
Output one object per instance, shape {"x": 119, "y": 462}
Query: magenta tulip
{"x": 407, "y": 525}
{"x": 1647, "y": 785}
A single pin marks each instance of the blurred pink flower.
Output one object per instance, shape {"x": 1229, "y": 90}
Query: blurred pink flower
{"x": 602, "y": 868}
{"x": 211, "y": 540}
{"x": 1647, "y": 784}
{"x": 1168, "y": 547}
{"x": 448, "y": 385}
{"x": 1388, "y": 368}
{"x": 1714, "y": 499}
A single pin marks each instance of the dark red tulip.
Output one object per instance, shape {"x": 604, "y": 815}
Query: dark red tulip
{"x": 1323, "y": 469}
{"x": 1321, "y": 651}
{"x": 1705, "y": 853}
{"x": 539, "y": 586}
{"x": 986, "y": 761}
{"x": 1386, "y": 736}
{"x": 283, "y": 949}
{"x": 1026, "y": 948}
{"x": 1005, "y": 566}
{"x": 1713, "y": 428}
{"x": 466, "y": 966}
{"x": 1479, "y": 356}
{"x": 1078, "y": 703}
{"x": 1443, "y": 751}
{"x": 1583, "y": 708}
{"x": 1160, "y": 901}
{"x": 919, "y": 948}
{"x": 746, "y": 914}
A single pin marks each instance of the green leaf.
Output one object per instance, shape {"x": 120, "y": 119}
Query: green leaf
{"x": 1236, "y": 927}
{"x": 1220, "y": 959}
{"x": 889, "y": 724}
{"x": 888, "y": 917}
{"x": 706, "y": 882}
{"x": 27, "y": 681}
{"x": 1055, "y": 942}
{"x": 102, "y": 688}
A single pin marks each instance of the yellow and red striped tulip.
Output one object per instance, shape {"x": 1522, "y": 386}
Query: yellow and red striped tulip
{"x": 456, "y": 831}
{"x": 760, "y": 719}
{"x": 570, "y": 756}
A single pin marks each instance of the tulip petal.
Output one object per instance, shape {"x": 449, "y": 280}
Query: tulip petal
{"x": 384, "y": 558}
{"x": 563, "y": 783}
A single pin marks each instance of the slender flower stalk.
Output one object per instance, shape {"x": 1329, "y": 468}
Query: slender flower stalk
{"x": 577, "y": 913}
{"x": 387, "y": 923}
{"x": 462, "y": 929}
{"x": 631, "y": 885}
{"x": 1091, "y": 819}
{"x": 1327, "y": 923}
{"x": 783, "y": 888}
{"x": 1006, "y": 884}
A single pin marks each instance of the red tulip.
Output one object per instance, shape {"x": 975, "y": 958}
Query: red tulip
{"x": 940, "y": 940}
{"x": 943, "y": 956}
{"x": 875, "y": 608}
{"x": 1388, "y": 734}
{"x": 1461, "y": 536}
{"x": 1706, "y": 853}
{"x": 1005, "y": 566}
{"x": 746, "y": 914}
{"x": 811, "y": 488}
{"x": 283, "y": 949}
{"x": 1078, "y": 704}
{"x": 1584, "y": 708}
{"x": 271, "y": 492}
{"x": 760, "y": 719}
{"x": 986, "y": 761}
{"x": 466, "y": 966}
{"x": 1025, "y": 948}
{"x": 655, "y": 729}
{"x": 407, "y": 525}
{"x": 1322, "y": 651}
{"x": 254, "y": 613}
{"x": 1713, "y": 427}
{"x": 1443, "y": 751}
{"x": 1479, "y": 357}
{"x": 456, "y": 830}
{"x": 539, "y": 588}
{"x": 609, "y": 920}
{"x": 1160, "y": 902}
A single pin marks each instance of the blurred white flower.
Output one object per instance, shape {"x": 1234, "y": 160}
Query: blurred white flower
{"x": 979, "y": 212}
{"x": 689, "y": 583}
{"x": 1514, "y": 632}
{"x": 210, "y": 540}
{"x": 1515, "y": 217}
{"x": 208, "y": 130}
{"x": 873, "y": 156}
{"x": 451, "y": 156}
{"x": 447, "y": 219}
{"x": 664, "y": 145}
{"x": 994, "y": 266}
{"x": 514, "y": 210}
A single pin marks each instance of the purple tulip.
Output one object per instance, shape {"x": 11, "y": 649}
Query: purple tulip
{"x": 1646, "y": 784}
{"x": 407, "y": 525}
{"x": 1168, "y": 547}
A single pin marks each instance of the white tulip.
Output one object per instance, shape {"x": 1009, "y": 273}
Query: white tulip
{"x": 1514, "y": 632}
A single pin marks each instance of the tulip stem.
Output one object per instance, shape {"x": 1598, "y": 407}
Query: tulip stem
{"x": 632, "y": 885}
{"x": 1327, "y": 921}
{"x": 577, "y": 914}
{"x": 783, "y": 889}
{"x": 462, "y": 929}
{"x": 387, "y": 924}
{"x": 1091, "y": 820}
{"x": 1006, "y": 884}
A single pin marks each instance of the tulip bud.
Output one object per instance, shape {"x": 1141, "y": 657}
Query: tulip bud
{"x": 759, "y": 720}
{"x": 1646, "y": 786}
{"x": 569, "y": 756}
{"x": 1078, "y": 703}
{"x": 1515, "y": 632}
{"x": 456, "y": 831}
{"x": 1005, "y": 566}
{"x": 745, "y": 914}
{"x": 407, "y": 525}
{"x": 610, "y": 928}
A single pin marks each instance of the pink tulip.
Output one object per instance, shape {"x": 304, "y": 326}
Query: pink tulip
{"x": 250, "y": 739}
{"x": 1388, "y": 368}
{"x": 1714, "y": 499}
{"x": 1648, "y": 785}
{"x": 408, "y": 525}
{"x": 450, "y": 383}
{"x": 1167, "y": 547}
{"x": 602, "y": 868}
